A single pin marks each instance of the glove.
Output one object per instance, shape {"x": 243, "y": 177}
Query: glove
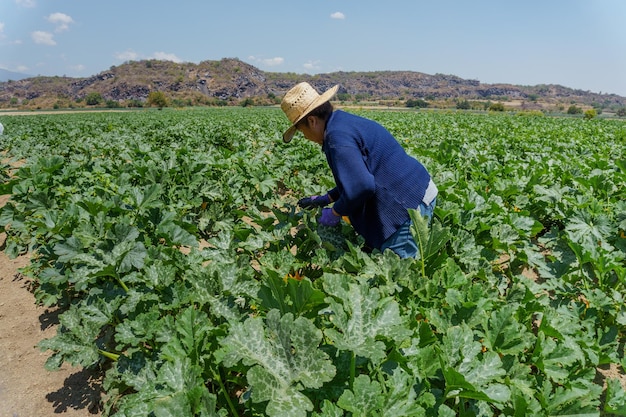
{"x": 314, "y": 201}
{"x": 328, "y": 218}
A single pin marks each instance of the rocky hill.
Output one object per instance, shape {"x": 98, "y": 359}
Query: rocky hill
{"x": 231, "y": 81}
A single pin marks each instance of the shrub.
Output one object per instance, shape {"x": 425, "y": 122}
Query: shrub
{"x": 573, "y": 109}
{"x": 531, "y": 113}
{"x": 134, "y": 103}
{"x": 417, "y": 103}
{"x": 93, "y": 99}
{"x": 344, "y": 97}
{"x": 247, "y": 102}
{"x": 113, "y": 104}
{"x": 463, "y": 105}
{"x": 496, "y": 107}
{"x": 157, "y": 98}
{"x": 590, "y": 114}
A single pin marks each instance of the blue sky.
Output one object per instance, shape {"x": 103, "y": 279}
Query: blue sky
{"x": 576, "y": 43}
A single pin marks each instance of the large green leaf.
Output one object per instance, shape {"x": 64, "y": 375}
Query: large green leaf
{"x": 470, "y": 372}
{"x": 284, "y": 359}
{"x": 361, "y": 317}
{"x": 430, "y": 240}
{"x": 365, "y": 398}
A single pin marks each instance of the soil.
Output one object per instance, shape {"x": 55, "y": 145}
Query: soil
{"x": 26, "y": 388}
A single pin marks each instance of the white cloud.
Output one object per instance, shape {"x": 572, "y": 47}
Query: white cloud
{"x": 311, "y": 65}
{"x": 270, "y": 62}
{"x": 61, "y": 20}
{"x": 338, "y": 15}
{"x": 43, "y": 38}
{"x": 164, "y": 56}
{"x": 22, "y": 68}
{"x": 128, "y": 55}
{"x": 2, "y": 35}
{"x": 26, "y": 3}
{"x": 78, "y": 68}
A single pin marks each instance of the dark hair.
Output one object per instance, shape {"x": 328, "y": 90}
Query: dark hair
{"x": 323, "y": 111}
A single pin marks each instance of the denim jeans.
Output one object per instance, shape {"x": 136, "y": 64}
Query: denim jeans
{"x": 402, "y": 242}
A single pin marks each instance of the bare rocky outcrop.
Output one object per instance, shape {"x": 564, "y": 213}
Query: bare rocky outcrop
{"x": 232, "y": 80}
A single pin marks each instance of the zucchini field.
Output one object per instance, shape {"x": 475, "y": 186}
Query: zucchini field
{"x": 185, "y": 272}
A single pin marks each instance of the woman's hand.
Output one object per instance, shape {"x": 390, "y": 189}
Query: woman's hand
{"x": 315, "y": 201}
{"x": 329, "y": 218}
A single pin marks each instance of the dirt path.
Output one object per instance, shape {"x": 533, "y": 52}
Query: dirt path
{"x": 26, "y": 388}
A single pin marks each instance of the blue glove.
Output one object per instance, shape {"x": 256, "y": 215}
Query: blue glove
{"x": 314, "y": 201}
{"x": 328, "y": 218}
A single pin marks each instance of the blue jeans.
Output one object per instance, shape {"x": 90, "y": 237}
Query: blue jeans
{"x": 402, "y": 242}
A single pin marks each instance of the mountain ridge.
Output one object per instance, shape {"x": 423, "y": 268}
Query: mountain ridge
{"x": 6, "y": 75}
{"x": 231, "y": 81}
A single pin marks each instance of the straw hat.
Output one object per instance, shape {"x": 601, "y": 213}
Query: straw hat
{"x": 300, "y": 101}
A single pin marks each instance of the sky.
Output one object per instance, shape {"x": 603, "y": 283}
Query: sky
{"x": 579, "y": 44}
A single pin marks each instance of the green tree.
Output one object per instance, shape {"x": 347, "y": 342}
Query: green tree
{"x": 574, "y": 109}
{"x": 463, "y": 105}
{"x": 157, "y": 98}
{"x": 590, "y": 114}
{"x": 247, "y": 102}
{"x": 621, "y": 112}
{"x": 496, "y": 107}
{"x": 134, "y": 103}
{"x": 93, "y": 99}
{"x": 343, "y": 96}
{"x": 417, "y": 103}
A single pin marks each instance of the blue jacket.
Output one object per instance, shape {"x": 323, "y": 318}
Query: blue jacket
{"x": 377, "y": 181}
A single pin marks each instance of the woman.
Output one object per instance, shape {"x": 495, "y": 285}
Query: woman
{"x": 376, "y": 180}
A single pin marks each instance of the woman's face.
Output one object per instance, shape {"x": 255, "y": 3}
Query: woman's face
{"x": 312, "y": 128}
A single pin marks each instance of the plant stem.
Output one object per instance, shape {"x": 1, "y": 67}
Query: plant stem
{"x": 119, "y": 280}
{"x": 112, "y": 356}
{"x": 218, "y": 377}
{"x": 352, "y": 369}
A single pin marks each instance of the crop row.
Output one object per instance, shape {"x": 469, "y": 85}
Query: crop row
{"x": 171, "y": 242}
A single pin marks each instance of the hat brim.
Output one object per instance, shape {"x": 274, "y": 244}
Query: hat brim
{"x": 326, "y": 96}
{"x": 288, "y": 135}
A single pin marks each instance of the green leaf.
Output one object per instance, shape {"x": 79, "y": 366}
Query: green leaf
{"x": 189, "y": 336}
{"x": 400, "y": 395}
{"x": 361, "y": 316}
{"x": 615, "y": 402}
{"x": 365, "y": 398}
{"x": 281, "y": 353}
{"x": 146, "y": 198}
{"x": 588, "y": 230}
{"x": 329, "y": 409}
{"x": 431, "y": 241}
{"x": 290, "y": 295}
{"x": 470, "y": 372}
{"x": 555, "y": 357}
{"x": 504, "y": 334}
{"x": 129, "y": 255}
{"x": 180, "y": 391}
{"x": 68, "y": 250}
{"x": 283, "y": 400}
{"x": 176, "y": 235}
